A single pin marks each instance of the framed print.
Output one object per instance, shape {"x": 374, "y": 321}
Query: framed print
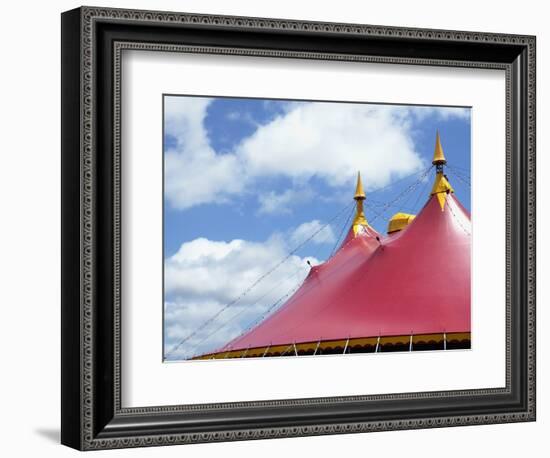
{"x": 277, "y": 228}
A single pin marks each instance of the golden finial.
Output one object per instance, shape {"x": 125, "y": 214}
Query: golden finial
{"x": 359, "y": 193}
{"x": 439, "y": 157}
{"x": 359, "y": 220}
{"x": 441, "y": 185}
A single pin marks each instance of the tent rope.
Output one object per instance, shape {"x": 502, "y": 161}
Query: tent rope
{"x": 265, "y": 313}
{"x": 454, "y": 166}
{"x": 457, "y": 219}
{"x": 340, "y": 235}
{"x": 383, "y": 188}
{"x": 403, "y": 193}
{"x": 255, "y": 283}
{"x": 423, "y": 191}
{"x": 241, "y": 312}
{"x": 461, "y": 176}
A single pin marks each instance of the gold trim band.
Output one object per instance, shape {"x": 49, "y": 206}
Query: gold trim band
{"x": 356, "y": 345}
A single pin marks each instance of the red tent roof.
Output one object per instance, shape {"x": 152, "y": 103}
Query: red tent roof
{"x": 408, "y": 283}
{"x": 414, "y": 282}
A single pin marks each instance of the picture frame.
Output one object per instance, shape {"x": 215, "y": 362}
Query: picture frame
{"x": 93, "y": 416}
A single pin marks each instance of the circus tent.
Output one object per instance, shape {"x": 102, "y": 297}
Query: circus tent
{"x": 405, "y": 290}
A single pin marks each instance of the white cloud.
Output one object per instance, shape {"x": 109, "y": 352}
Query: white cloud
{"x": 194, "y": 173}
{"x": 324, "y": 234}
{"x": 281, "y": 203}
{"x": 332, "y": 142}
{"x": 328, "y": 141}
{"x": 443, "y": 113}
{"x": 181, "y": 318}
{"x": 205, "y": 275}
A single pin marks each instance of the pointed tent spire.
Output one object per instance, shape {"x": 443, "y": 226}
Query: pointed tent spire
{"x": 439, "y": 157}
{"x": 441, "y": 186}
{"x": 359, "y": 193}
{"x": 359, "y": 220}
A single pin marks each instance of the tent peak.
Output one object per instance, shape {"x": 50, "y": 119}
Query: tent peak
{"x": 359, "y": 221}
{"x": 439, "y": 158}
{"x": 359, "y": 192}
{"x": 441, "y": 185}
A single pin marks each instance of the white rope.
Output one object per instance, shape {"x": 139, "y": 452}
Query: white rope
{"x": 224, "y": 324}
{"x": 457, "y": 219}
{"x": 317, "y": 347}
{"x": 346, "y": 346}
{"x": 287, "y": 348}
{"x": 342, "y": 231}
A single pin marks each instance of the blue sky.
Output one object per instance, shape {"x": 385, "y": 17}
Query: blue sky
{"x": 248, "y": 180}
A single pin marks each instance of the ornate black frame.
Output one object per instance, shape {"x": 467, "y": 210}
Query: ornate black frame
{"x": 92, "y": 42}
